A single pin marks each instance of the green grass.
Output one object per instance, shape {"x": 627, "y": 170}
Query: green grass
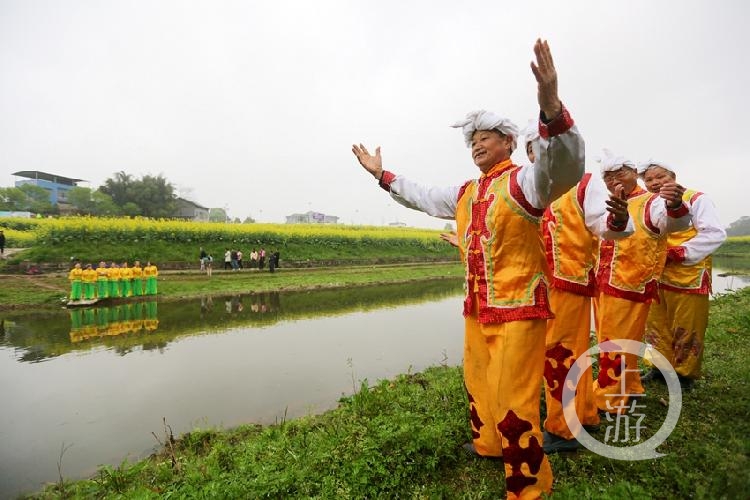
{"x": 401, "y": 439}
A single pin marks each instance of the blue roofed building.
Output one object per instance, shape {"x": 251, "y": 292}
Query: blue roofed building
{"x": 56, "y": 185}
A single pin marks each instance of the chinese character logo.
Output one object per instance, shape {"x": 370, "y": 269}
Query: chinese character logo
{"x": 624, "y": 420}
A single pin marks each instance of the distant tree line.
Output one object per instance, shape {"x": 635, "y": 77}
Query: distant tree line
{"x": 121, "y": 194}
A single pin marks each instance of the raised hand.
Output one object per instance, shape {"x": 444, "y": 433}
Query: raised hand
{"x": 546, "y": 77}
{"x": 451, "y": 238}
{"x": 617, "y": 205}
{"x": 672, "y": 194}
{"x": 373, "y": 164}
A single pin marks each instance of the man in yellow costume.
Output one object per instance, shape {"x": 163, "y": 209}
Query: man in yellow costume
{"x": 627, "y": 274}
{"x": 506, "y": 306}
{"x": 676, "y": 324}
{"x": 571, "y": 227}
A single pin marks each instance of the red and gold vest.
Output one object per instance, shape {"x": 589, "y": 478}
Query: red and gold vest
{"x": 570, "y": 247}
{"x": 629, "y": 268}
{"x": 678, "y": 277}
{"x": 499, "y": 240}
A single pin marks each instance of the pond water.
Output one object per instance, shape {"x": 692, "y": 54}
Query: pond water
{"x": 99, "y": 381}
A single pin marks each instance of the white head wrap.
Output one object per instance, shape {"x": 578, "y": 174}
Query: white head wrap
{"x": 642, "y": 167}
{"x": 531, "y": 131}
{"x": 486, "y": 120}
{"x": 609, "y": 162}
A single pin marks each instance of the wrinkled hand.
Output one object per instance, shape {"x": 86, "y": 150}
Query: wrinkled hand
{"x": 672, "y": 194}
{"x": 373, "y": 164}
{"x": 617, "y": 205}
{"x": 451, "y": 238}
{"x": 546, "y": 77}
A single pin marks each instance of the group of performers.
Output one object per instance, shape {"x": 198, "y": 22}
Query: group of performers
{"x": 113, "y": 281}
{"x": 543, "y": 242}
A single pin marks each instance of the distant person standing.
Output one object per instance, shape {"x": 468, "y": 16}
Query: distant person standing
{"x": 227, "y": 259}
{"x": 150, "y": 272}
{"x": 137, "y": 278}
{"x": 209, "y": 265}
{"x": 88, "y": 279}
{"x": 202, "y": 257}
{"x": 102, "y": 281}
{"x": 2, "y": 242}
{"x": 75, "y": 282}
{"x": 271, "y": 262}
{"x": 233, "y": 259}
{"x": 276, "y": 257}
{"x": 239, "y": 259}
{"x": 254, "y": 259}
{"x": 261, "y": 258}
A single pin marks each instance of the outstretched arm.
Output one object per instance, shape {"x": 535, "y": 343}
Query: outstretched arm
{"x": 560, "y": 159}
{"x": 438, "y": 202}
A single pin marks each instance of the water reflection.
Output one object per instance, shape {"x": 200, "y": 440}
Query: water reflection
{"x": 119, "y": 319}
{"x": 142, "y": 325}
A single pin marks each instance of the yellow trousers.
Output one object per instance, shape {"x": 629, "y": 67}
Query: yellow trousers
{"x": 567, "y": 338}
{"x": 503, "y": 365}
{"x": 676, "y": 327}
{"x": 618, "y": 318}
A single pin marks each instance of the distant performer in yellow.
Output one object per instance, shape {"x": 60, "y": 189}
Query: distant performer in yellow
{"x": 676, "y": 324}
{"x": 137, "y": 272}
{"x": 75, "y": 282}
{"x": 114, "y": 280}
{"x": 88, "y": 278}
{"x": 150, "y": 272}
{"x": 126, "y": 277}
{"x": 102, "y": 281}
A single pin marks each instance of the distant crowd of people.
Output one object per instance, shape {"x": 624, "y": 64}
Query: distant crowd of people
{"x": 233, "y": 260}
{"x": 112, "y": 281}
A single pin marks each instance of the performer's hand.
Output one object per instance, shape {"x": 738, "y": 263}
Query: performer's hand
{"x": 451, "y": 238}
{"x": 373, "y": 164}
{"x": 672, "y": 194}
{"x": 546, "y": 77}
{"x": 617, "y": 205}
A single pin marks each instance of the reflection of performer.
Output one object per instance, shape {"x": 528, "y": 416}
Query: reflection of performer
{"x": 151, "y": 322}
{"x": 76, "y": 323}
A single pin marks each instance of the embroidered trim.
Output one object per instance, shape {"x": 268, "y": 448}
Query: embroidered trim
{"x": 386, "y": 179}
{"x": 676, "y": 254}
{"x": 581, "y": 192}
{"x": 517, "y": 193}
{"x": 695, "y": 197}
{"x": 612, "y": 226}
{"x": 647, "y": 215}
{"x": 559, "y": 125}
{"x": 703, "y": 289}
{"x": 678, "y": 212}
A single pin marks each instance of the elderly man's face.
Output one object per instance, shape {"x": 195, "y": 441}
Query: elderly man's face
{"x": 624, "y": 176}
{"x": 655, "y": 177}
{"x": 489, "y": 147}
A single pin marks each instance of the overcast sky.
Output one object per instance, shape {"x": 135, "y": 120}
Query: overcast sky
{"x": 253, "y": 106}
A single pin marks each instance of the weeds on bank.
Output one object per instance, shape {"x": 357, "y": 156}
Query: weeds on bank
{"x": 401, "y": 439}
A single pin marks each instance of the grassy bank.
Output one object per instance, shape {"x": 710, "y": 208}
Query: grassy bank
{"x": 401, "y": 439}
{"x": 51, "y": 290}
{"x": 92, "y": 239}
